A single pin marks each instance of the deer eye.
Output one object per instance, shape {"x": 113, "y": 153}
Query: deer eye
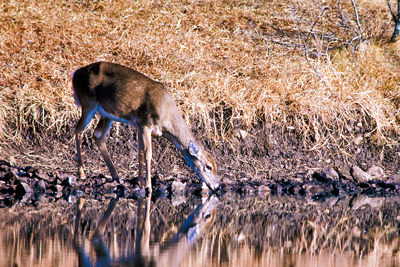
{"x": 208, "y": 215}
{"x": 208, "y": 167}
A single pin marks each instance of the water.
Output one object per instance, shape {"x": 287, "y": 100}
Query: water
{"x": 191, "y": 231}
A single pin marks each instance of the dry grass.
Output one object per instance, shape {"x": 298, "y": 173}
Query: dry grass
{"x": 289, "y": 63}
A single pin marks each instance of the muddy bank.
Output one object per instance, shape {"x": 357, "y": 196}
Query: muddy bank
{"x": 247, "y": 154}
{"x": 258, "y": 160}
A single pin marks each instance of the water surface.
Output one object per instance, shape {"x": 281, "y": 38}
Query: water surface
{"x": 229, "y": 230}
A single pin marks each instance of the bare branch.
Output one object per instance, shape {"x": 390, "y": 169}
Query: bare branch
{"x": 398, "y": 9}
{"x": 357, "y": 18}
{"x": 315, "y": 22}
{"x": 342, "y": 17}
{"x": 391, "y": 10}
{"x": 345, "y": 25}
{"x": 303, "y": 42}
{"x": 396, "y": 31}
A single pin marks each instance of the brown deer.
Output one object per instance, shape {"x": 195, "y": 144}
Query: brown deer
{"x": 118, "y": 93}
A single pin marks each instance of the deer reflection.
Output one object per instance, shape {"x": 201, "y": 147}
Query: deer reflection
{"x": 170, "y": 254}
{"x": 100, "y": 248}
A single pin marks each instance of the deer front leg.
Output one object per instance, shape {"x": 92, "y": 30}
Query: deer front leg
{"x": 99, "y": 135}
{"x": 81, "y": 171}
{"x": 106, "y": 216}
{"x": 145, "y": 155}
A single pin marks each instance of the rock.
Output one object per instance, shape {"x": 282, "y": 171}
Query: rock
{"x": 139, "y": 192}
{"x": 69, "y": 181}
{"x": 276, "y": 188}
{"x": 41, "y": 175}
{"x": 39, "y": 186}
{"x": 331, "y": 174}
{"x": 330, "y": 202}
{"x": 78, "y": 192}
{"x": 243, "y": 134}
{"x": 376, "y": 172}
{"x": 326, "y": 176}
{"x": 26, "y": 198}
{"x": 359, "y": 176}
{"x": 395, "y": 178}
{"x": 361, "y": 200}
{"x": 39, "y": 197}
{"x": 177, "y": 187}
{"x": 247, "y": 189}
{"x": 313, "y": 189}
{"x": 177, "y": 200}
{"x": 263, "y": 190}
{"x": 56, "y": 190}
{"x": 22, "y": 189}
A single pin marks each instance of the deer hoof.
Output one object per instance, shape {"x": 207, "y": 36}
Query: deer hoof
{"x": 81, "y": 174}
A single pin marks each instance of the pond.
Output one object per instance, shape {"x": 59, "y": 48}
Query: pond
{"x": 186, "y": 230}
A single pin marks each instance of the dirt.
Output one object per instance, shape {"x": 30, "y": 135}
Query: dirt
{"x": 256, "y": 160}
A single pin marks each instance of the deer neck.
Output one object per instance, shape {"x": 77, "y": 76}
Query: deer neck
{"x": 178, "y": 132}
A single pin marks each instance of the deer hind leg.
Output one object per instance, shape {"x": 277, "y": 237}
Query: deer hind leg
{"x": 99, "y": 135}
{"x": 145, "y": 155}
{"x": 87, "y": 116}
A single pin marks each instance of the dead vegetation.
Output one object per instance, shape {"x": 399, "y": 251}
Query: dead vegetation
{"x": 313, "y": 66}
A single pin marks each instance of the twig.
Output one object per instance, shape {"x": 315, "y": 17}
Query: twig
{"x": 315, "y": 22}
{"x": 391, "y": 10}
{"x": 342, "y": 17}
{"x": 357, "y": 19}
{"x": 396, "y": 31}
{"x": 305, "y": 47}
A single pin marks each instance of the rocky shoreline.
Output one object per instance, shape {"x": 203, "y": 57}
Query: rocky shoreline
{"x": 31, "y": 185}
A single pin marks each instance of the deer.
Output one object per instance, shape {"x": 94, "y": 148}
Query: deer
{"x": 118, "y": 93}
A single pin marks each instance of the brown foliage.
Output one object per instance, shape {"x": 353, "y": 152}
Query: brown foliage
{"x": 295, "y": 63}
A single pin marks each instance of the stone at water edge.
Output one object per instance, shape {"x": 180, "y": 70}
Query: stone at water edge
{"x": 376, "y": 172}
{"x": 359, "y": 175}
{"x": 331, "y": 174}
{"x": 39, "y": 186}
{"x": 177, "y": 187}
{"x": 22, "y": 189}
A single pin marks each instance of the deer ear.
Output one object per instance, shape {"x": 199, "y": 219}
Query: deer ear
{"x": 193, "y": 149}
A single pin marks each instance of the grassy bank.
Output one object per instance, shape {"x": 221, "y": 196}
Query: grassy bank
{"x": 306, "y": 66}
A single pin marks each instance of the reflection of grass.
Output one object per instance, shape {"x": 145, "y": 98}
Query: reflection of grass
{"x": 227, "y": 64}
{"x": 271, "y": 230}
{"x": 309, "y": 230}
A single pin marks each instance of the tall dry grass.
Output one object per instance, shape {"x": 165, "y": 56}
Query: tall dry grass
{"x": 295, "y": 64}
